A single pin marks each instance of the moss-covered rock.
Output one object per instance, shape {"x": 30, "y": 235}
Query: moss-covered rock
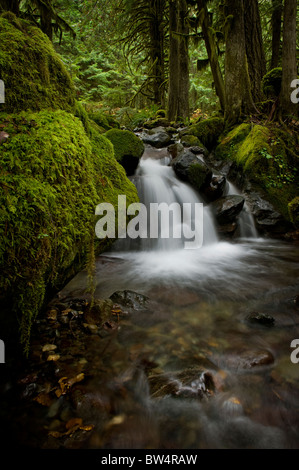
{"x": 191, "y": 141}
{"x": 267, "y": 157}
{"x": 35, "y": 78}
{"x": 128, "y": 148}
{"x": 188, "y": 167}
{"x": 208, "y": 131}
{"x": 53, "y": 176}
{"x": 103, "y": 120}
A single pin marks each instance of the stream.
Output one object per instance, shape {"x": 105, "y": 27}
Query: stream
{"x": 199, "y": 356}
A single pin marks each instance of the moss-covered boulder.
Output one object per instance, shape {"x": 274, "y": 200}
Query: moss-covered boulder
{"x": 190, "y": 168}
{"x": 103, "y": 120}
{"x": 52, "y": 178}
{"x": 35, "y": 77}
{"x": 128, "y": 148}
{"x": 208, "y": 131}
{"x": 267, "y": 158}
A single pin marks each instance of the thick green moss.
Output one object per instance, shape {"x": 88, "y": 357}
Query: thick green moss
{"x": 128, "y": 148}
{"x": 34, "y": 75}
{"x": 267, "y": 157}
{"x": 52, "y": 177}
{"x": 208, "y": 131}
{"x": 103, "y": 120}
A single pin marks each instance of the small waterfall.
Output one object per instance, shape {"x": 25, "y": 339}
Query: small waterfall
{"x": 157, "y": 183}
{"x": 246, "y": 221}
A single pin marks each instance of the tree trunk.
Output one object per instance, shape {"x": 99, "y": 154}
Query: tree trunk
{"x": 173, "y": 82}
{"x": 10, "y": 5}
{"x": 157, "y": 50}
{"x": 237, "y": 83}
{"x": 183, "y": 58}
{"x": 277, "y": 7}
{"x": 178, "y": 89}
{"x": 212, "y": 52}
{"x": 254, "y": 48}
{"x": 289, "y": 65}
{"x": 45, "y": 20}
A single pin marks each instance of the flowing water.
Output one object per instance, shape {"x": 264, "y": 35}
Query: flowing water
{"x": 194, "y": 371}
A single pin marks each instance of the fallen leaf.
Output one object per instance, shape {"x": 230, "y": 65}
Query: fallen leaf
{"x": 74, "y": 422}
{"x": 43, "y": 399}
{"x": 53, "y": 357}
{"x": 49, "y": 347}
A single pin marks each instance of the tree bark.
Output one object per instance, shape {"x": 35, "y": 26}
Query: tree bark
{"x": 237, "y": 83}
{"x": 157, "y": 50}
{"x": 211, "y": 51}
{"x": 276, "y": 20}
{"x": 289, "y": 64}
{"x": 178, "y": 88}
{"x": 254, "y": 48}
{"x": 10, "y": 5}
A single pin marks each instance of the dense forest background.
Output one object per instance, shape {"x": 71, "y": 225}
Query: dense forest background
{"x": 192, "y": 58}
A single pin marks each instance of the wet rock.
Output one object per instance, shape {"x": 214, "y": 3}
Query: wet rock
{"x": 227, "y": 208}
{"x": 99, "y": 312}
{"x": 199, "y": 150}
{"x": 175, "y": 149}
{"x": 157, "y": 137}
{"x": 192, "y": 169}
{"x": 190, "y": 383}
{"x": 216, "y": 188}
{"x": 260, "y": 319}
{"x": 249, "y": 359}
{"x": 129, "y": 299}
{"x": 268, "y": 220}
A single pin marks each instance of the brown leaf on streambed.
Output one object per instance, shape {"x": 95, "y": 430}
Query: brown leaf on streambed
{"x": 43, "y": 399}
{"x": 65, "y": 384}
{"x": 74, "y": 422}
{"x": 73, "y": 425}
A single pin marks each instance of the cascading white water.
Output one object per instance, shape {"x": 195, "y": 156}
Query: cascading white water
{"x": 156, "y": 182}
{"x": 246, "y": 221}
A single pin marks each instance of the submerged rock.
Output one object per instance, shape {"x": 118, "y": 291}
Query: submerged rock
{"x": 130, "y": 299}
{"x": 261, "y": 319}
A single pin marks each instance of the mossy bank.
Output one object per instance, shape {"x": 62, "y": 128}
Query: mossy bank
{"x": 55, "y": 168}
{"x": 267, "y": 157}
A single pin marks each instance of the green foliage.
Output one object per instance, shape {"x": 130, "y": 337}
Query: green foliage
{"x": 52, "y": 177}
{"x": 34, "y": 75}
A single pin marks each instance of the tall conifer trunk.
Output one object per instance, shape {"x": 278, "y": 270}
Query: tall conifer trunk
{"x": 277, "y": 9}
{"x": 237, "y": 83}
{"x": 211, "y": 51}
{"x": 178, "y": 89}
{"x": 254, "y": 48}
{"x": 289, "y": 64}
